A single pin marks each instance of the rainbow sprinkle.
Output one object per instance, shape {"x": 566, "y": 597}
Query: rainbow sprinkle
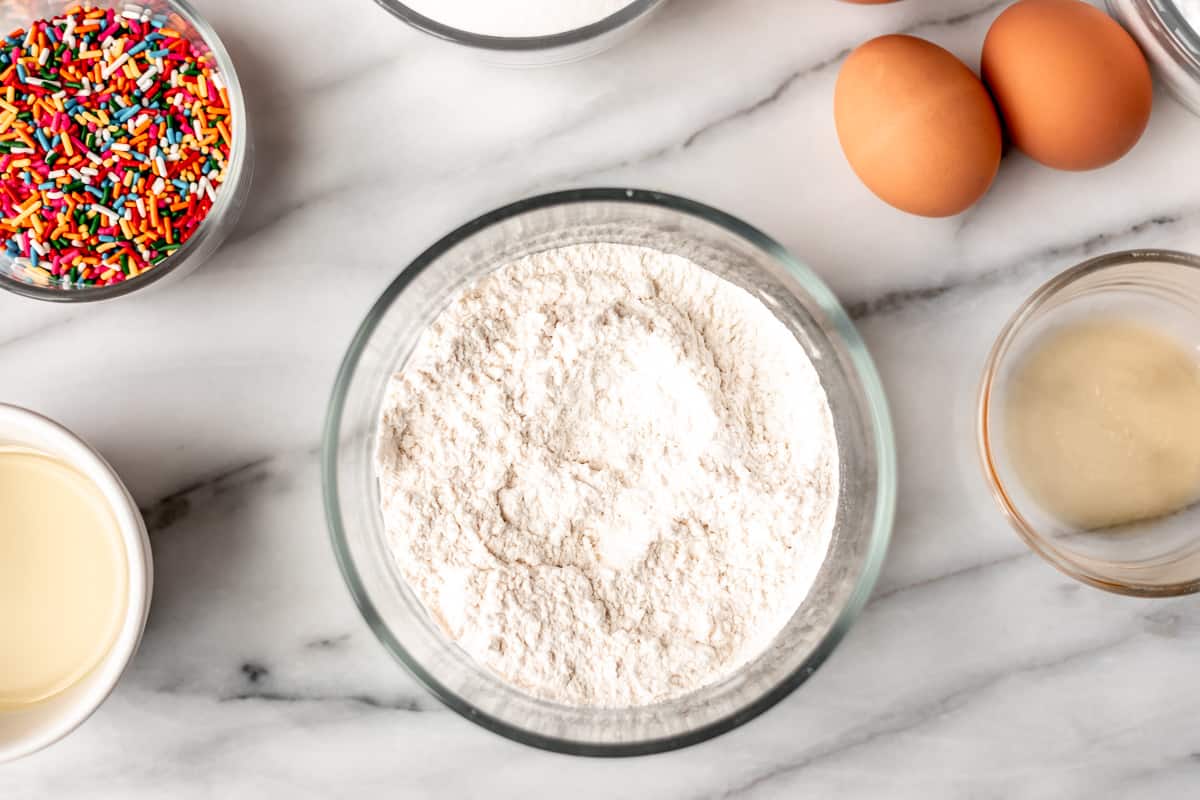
{"x": 115, "y": 133}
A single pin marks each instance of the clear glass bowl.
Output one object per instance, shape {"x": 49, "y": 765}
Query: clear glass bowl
{"x": 1161, "y": 289}
{"x": 529, "y": 51}
{"x": 730, "y": 249}
{"x": 1171, "y": 45}
{"x": 231, "y": 195}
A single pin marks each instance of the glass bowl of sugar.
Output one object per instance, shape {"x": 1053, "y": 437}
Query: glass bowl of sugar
{"x": 527, "y": 32}
{"x": 577, "y": 510}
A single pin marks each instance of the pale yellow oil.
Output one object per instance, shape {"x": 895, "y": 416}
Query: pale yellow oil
{"x": 1103, "y": 423}
{"x": 63, "y": 577}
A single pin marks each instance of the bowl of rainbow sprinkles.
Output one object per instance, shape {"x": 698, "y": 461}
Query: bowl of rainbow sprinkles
{"x": 124, "y": 147}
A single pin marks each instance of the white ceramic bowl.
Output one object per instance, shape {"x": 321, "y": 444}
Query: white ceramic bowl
{"x": 26, "y": 731}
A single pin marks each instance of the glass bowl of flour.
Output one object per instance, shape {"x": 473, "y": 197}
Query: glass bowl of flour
{"x": 527, "y": 32}
{"x": 609, "y": 471}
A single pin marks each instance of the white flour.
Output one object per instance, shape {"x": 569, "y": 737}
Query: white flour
{"x": 517, "y": 17}
{"x": 609, "y": 475}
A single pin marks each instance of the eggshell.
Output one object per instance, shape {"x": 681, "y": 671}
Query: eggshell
{"x": 916, "y": 125}
{"x": 1072, "y": 85}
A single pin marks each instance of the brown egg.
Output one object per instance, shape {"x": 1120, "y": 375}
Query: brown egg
{"x": 916, "y": 125}
{"x": 1071, "y": 84}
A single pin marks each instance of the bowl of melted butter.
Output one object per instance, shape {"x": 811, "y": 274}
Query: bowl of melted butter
{"x": 1089, "y": 422}
{"x": 75, "y": 577}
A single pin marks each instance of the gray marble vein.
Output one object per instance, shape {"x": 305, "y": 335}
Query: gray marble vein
{"x": 1031, "y": 262}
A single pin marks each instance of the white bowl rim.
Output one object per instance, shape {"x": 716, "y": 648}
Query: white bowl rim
{"x": 40, "y": 432}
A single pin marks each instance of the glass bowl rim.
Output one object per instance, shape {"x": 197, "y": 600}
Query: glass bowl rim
{"x": 875, "y": 409}
{"x": 1015, "y": 324}
{"x": 238, "y": 162}
{"x": 519, "y": 44}
{"x": 1174, "y": 34}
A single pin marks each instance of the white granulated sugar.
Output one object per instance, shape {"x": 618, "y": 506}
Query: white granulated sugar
{"x": 517, "y": 17}
{"x": 1190, "y": 11}
{"x": 609, "y": 475}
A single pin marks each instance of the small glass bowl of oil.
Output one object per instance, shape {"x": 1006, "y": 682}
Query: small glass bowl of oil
{"x": 75, "y": 578}
{"x": 1089, "y": 422}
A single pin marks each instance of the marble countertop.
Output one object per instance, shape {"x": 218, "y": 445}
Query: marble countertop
{"x": 976, "y": 671}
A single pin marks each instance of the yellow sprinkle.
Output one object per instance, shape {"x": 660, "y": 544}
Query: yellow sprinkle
{"x": 33, "y": 208}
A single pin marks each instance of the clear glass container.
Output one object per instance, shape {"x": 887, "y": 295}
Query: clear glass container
{"x": 231, "y": 195}
{"x": 730, "y": 249}
{"x": 1157, "y": 288}
{"x": 1171, "y": 45}
{"x": 536, "y": 51}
